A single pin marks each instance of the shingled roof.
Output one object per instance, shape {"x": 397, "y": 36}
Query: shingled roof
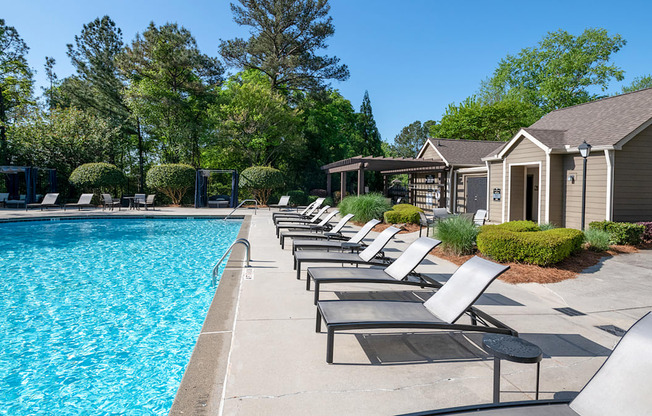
{"x": 463, "y": 152}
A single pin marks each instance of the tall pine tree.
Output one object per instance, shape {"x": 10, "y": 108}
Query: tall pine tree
{"x": 370, "y": 143}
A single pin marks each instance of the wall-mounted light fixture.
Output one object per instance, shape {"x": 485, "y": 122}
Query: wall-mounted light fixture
{"x": 571, "y": 178}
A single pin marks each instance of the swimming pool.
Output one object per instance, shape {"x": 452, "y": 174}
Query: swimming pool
{"x": 101, "y": 316}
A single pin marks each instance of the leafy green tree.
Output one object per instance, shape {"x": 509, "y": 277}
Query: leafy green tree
{"x": 370, "y": 143}
{"x": 174, "y": 180}
{"x": 287, "y": 36}
{"x": 639, "y": 83}
{"x": 411, "y": 139}
{"x": 171, "y": 85}
{"x": 52, "y": 79}
{"x": 261, "y": 181}
{"x": 474, "y": 120}
{"x": 255, "y": 120}
{"x": 15, "y": 81}
{"x": 96, "y": 86}
{"x": 558, "y": 72}
{"x": 63, "y": 139}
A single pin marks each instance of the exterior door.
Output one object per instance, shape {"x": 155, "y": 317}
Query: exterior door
{"x": 476, "y": 193}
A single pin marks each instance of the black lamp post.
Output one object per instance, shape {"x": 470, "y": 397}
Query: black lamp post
{"x": 584, "y": 149}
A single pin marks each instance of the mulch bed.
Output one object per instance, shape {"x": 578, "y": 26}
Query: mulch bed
{"x": 405, "y": 228}
{"x": 529, "y": 273}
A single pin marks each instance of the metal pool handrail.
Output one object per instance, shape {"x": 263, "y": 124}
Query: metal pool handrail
{"x": 242, "y": 241}
{"x": 241, "y": 203}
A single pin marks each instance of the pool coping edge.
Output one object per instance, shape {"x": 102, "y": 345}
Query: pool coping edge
{"x": 201, "y": 388}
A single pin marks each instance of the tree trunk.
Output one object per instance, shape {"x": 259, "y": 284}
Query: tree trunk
{"x": 4, "y": 157}
{"x": 141, "y": 162}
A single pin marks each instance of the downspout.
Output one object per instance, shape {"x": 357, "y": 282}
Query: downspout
{"x": 488, "y": 189}
{"x": 610, "y": 159}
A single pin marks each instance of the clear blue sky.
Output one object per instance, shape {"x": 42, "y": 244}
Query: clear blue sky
{"x": 413, "y": 56}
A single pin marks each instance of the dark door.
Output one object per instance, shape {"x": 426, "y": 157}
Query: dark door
{"x": 529, "y": 193}
{"x": 476, "y": 194}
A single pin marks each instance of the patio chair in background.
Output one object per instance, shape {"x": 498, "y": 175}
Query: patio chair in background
{"x": 49, "y": 201}
{"x": 284, "y": 202}
{"x": 620, "y": 387}
{"x": 306, "y": 213}
{"x": 479, "y": 217}
{"x": 3, "y": 198}
{"x": 441, "y": 311}
{"x": 109, "y": 202}
{"x": 16, "y": 202}
{"x": 355, "y": 240}
{"x": 396, "y": 273}
{"x": 149, "y": 201}
{"x": 368, "y": 256}
{"x": 335, "y": 232}
{"x": 138, "y": 198}
{"x": 438, "y": 214}
{"x": 83, "y": 202}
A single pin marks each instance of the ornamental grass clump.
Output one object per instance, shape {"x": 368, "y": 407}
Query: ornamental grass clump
{"x": 597, "y": 240}
{"x": 457, "y": 235}
{"x": 365, "y": 207}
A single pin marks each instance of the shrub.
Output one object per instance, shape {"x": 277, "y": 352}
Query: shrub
{"x": 457, "y": 235}
{"x": 597, "y": 240}
{"x": 97, "y": 177}
{"x": 364, "y": 207}
{"x": 173, "y": 180}
{"x": 337, "y": 196}
{"x": 319, "y": 192}
{"x": 533, "y": 247}
{"x": 620, "y": 232}
{"x": 261, "y": 181}
{"x": 547, "y": 226}
{"x": 298, "y": 197}
{"x": 647, "y": 234}
{"x": 403, "y": 213}
{"x": 514, "y": 226}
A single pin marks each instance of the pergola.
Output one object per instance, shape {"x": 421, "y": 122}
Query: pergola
{"x": 385, "y": 165}
{"x": 201, "y": 186}
{"x": 31, "y": 175}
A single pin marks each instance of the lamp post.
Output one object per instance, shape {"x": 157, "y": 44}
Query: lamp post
{"x": 584, "y": 149}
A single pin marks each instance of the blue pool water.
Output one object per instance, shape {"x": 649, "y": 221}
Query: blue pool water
{"x": 101, "y": 316}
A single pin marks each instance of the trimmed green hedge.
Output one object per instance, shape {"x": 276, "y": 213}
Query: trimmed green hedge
{"x": 97, "y": 176}
{"x": 533, "y": 247}
{"x": 515, "y": 226}
{"x": 403, "y": 213}
{"x": 174, "y": 180}
{"x": 620, "y": 232}
{"x": 298, "y": 197}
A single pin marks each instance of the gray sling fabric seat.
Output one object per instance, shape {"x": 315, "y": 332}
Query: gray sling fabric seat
{"x": 324, "y": 225}
{"x": 49, "y": 201}
{"x": 306, "y": 213}
{"x": 441, "y": 311}
{"x": 367, "y": 256}
{"x": 336, "y": 245}
{"x": 283, "y": 202}
{"x": 396, "y": 273}
{"x": 83, "y": 202}
{"x": 291, "y": 223}
{"x": 335, "y": 231}
{"x": 620, "y": 387}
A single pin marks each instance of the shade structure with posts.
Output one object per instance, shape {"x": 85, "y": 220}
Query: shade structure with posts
{"x": 585, "y": 150}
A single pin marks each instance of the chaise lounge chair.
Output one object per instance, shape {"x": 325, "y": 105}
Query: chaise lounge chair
{"x": 287, "y": 223}
{"x": 324, "y": 225}
{"x": 3, "y": 198}
{"x": 367, "y": 256}
{"x": 83, "y": 202}
{"x": 354, "y": 241}
{"x": 396, "y": 273}
{"x": 335, "y": 231}
{"x": 284, "y": 202}
{"x": 108, "y": 201}
{"x": 306, "y": 213}
{"x": 49, "y": 201}
{"x": 621, "y": 386}
{"x": 441, "y": 311}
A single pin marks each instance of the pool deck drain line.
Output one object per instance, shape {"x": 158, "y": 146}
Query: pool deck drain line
{"x": 228, "y": 360}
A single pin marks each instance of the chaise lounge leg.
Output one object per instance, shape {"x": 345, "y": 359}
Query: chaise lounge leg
{"x": 282, "y": 242}
{"x": 298, "y": 270}
{"x": 329, "y": 345}
{"x": 318, "y": 322}
{"x": 307, "y": 280}
{"x": 316, "y": 292}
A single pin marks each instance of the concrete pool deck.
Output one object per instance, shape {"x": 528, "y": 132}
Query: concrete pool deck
{"x": 275, "y": 362}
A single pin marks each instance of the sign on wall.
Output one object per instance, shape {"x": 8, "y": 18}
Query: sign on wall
{"x": 429, "y": 198}
{"x": 496, "y": 194}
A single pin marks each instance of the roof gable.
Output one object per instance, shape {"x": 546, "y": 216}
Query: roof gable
{"x": 460, "y": 152}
